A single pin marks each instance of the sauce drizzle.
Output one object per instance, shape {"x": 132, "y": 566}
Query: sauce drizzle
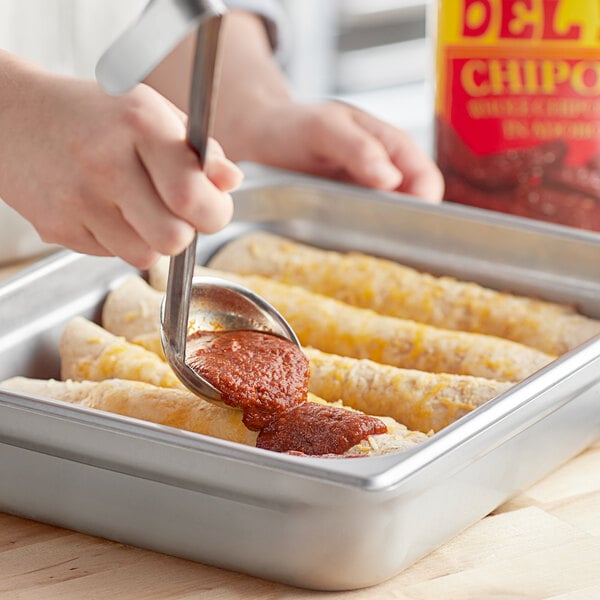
{"x": 267, "y": 378}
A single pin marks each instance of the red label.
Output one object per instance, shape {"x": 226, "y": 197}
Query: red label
{"x": 498, "y": 103}
{"x": 518, "y": 107}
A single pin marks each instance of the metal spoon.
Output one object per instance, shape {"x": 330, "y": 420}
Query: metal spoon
{"x": 215, "y": 304}
{"x": 211, "y": 303}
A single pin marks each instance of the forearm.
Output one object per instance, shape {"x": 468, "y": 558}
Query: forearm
{"x": 249, "y": 73}
{"x": 12, "y": 71}
{"x": 20, "y": 83}
{"x": 251, "y": 83}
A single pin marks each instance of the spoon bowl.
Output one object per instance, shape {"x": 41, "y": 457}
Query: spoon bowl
{"x": 217, "y": 304}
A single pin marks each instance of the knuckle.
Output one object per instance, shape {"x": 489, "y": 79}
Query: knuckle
{"x": 175, "y": 238}
{"x": 201, "y": 207}
{"x": 144, "y": 259}
{"x": 318, "y": 120}
{"x": 184, "y": 195}
{"x": 95, "y": 164}
{"x": 216, "y": 216}
{"x": 52, "y": 233}
{"x": 183, "y": 198}
{"x": 136, "y": 112}
{"x": 53, "y": 229}
{"x": 137, "y": 253}
{"x": 74, "y": 237}
{"x": 365, "y": 151}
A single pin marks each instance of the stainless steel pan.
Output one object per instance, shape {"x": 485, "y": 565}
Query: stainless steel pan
{"x": 310, "y": 522}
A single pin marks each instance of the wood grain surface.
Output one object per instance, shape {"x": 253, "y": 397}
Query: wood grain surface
{"x": 542, "y": 544}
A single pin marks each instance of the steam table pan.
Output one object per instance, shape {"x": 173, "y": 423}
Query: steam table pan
{"x": 330, "y": 524}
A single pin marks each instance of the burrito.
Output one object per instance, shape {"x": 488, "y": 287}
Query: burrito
{"x": 399, "y": 291}
{"x": 421, "y": 401}
{"x": 89, "y": 352}
{"x": 184, "y": 410}
{"x": 333, "y": 326}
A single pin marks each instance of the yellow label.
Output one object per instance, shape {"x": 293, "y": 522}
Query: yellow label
{"x": 518, "y": 106}
{"x": 519, "y": 22}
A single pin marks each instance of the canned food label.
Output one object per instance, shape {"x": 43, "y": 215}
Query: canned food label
{"x": 518, "y": 106}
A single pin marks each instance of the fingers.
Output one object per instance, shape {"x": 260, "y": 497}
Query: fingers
{"x": 140, "y": 226}
{"x": 151, "y": 217}
{"x": 421, "y": 177}
{"x": 221, "y": 171}
{"x": 173, "y": 168}
{"x": 160, "y": 196}
{"x": 97, "y": 226}
{"x": 103, "y": 232}
{"x": 340, "y": 139}
{"x": 111, "y": 231}
{"x": 77, "y": 238}
{"x": 149, "y": 224}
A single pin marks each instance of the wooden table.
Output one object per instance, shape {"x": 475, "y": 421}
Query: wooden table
{"x": 543, "y": 543}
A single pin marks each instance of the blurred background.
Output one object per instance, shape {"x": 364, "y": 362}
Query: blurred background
{"x": 373, "y": 53}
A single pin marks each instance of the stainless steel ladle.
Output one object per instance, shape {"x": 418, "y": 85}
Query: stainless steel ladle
{"x": 208, "y": 303}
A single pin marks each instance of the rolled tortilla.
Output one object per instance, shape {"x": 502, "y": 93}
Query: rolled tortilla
{"x": 166, "y": 406}
{"x": 89, "y": 352}
{"x": 184, "y": 410}
{"x": 422, "y": 401}
{"x": 399, "y": 291}
{"x": 132, "y": 310}
{"x": 338, "y": 328}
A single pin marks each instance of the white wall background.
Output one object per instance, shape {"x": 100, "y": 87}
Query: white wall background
{"x": 64, "y": 36}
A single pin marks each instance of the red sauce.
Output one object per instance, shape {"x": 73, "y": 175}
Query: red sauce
{"x": 317, "y": 429}
{"x": 260, "y": 373}
{"x": 267, "y": 378}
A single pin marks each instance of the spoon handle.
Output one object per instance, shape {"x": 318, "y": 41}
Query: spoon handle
{"x": 176, "y": 306}
{"x": 204, "y": 82}
{"x": 181, "y": 266}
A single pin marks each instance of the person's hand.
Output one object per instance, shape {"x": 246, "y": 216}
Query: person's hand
{"x": 107, "y": 175}
{"x": 256, "y": 119}
{"x": 336, "y": 140}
